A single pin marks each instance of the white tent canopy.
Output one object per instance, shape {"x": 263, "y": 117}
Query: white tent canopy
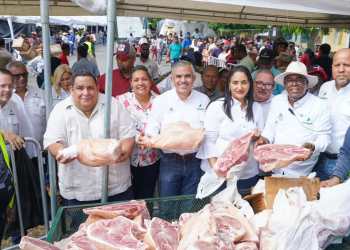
{"x": 335, "y": 13}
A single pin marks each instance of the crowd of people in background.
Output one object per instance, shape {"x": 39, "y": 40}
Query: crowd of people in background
{"x": 289, "y": 95}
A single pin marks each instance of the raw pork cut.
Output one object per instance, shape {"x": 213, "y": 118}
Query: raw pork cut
{"x": 218, "y": 224}
{"x": 236, "y": 153}
{"x": 271, "y": 156}
{"x": 178, "y": 137}
{"x": 246, "y": 246}
{"x": 117, "y": 234}
{"x": 80, "y": 241}
{"x": 131, "y": 210}
{"x": 29, "y": 243}
{"x": 162, "y": 235}
{"x": 94, "y": 152}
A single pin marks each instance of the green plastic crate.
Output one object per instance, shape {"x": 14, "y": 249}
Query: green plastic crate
{"x": 168, "y": 208}
{"x": 63, "y": 227}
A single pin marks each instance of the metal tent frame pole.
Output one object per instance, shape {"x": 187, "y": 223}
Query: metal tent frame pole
{"x": 44, "y": 12}
{"x": 111, "y": 17}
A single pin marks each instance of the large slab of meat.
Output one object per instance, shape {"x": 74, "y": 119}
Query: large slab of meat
{"x": 272, "y": 156}
{"x": 217, "y": 226}
{"x": 162, "y": 235}
{"x": 235, "y": 154}
{"x": 131, "y": 210}
{"x": 178, "y": 137}
{"x": 94, "y": 152}
{"x": 29, "y": 243}
{"x": 120, "y": 233}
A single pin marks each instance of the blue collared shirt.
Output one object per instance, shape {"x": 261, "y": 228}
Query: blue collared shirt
{"x": 342, "y": 168}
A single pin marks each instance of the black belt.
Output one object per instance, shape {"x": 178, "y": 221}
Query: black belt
{"x": 181, "y": 157}
{"x": 330, "y": 156}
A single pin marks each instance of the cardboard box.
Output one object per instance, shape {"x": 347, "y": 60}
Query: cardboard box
{"x": 274, "y": 184}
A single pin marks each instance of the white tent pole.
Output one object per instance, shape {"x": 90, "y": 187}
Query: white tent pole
{"x": 44, "y": 12}
{"x": 111, "y": 16}
{"x": 9, "y": 21}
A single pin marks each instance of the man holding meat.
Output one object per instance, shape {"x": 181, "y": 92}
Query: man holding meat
{"x": 179, "y": 173}
{"x": 296, "y": 117}
{"x": 81, "y": 116}
{"x": 336, "y": 93}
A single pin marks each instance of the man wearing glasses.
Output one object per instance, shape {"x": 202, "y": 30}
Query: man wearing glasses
{"x": 263, "y": 88}
{"x": 298, "y": 118}
{"x": 33, "y": 100}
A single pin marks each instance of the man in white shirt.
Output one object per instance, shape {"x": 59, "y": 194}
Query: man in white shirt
{"x": 32, "y": 98}
{"x": 81, "y": 116}
{"x": 263, "y": 86}
{"x": 337, "y": 95}
{"x": 13, "y": 124}
{"x": 179, "y": 174}
{"x": 298, "y": 118}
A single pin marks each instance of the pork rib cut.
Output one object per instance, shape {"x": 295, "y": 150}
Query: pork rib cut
{"x": 236, "y": 153}
{"x": 272, "y": 156}
{"x": 117, "y": 234}
{"x": 29, "y": 243}
{"x": 162, "y": 235}
{"x": 130, "y": 209}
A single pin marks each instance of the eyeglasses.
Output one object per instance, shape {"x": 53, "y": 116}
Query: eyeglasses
{"x": 18, "y": 76}
{"x": 265, "y": 85}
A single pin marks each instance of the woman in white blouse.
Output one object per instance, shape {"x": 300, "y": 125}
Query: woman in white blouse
{"x": 62, "y": 83}
{"x": 144, "y": 161}
{"x": 231, "y": 117}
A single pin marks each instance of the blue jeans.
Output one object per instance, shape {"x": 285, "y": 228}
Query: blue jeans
{"x": 324, "y": 167}
{"x": 178, "y": 176}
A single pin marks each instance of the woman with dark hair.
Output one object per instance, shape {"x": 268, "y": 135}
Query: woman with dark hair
{"x": 144, "y": 161}
{"x": 229, "y": 118}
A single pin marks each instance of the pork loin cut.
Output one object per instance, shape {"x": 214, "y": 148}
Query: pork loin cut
{"x": 117, "y": 234}
{"x": 178, "y": 137}
{"x": 131, "y": 210}
{"x": 236, "y": 153}
{"x": 29, "y": 243}
{"x": 272, "y": 156}
{"x": 162, "y": 235}
{"x": 94, "y": 152}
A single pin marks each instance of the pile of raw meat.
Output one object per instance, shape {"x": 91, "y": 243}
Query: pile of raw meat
{"x": 127, "y": 226}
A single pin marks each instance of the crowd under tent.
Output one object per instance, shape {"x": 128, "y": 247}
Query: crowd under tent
{"x": 324, "y": 13}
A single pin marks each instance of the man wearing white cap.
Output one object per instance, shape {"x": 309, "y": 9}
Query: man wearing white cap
{"x": 298, "y": 118}
{"x": 144, "y": 60}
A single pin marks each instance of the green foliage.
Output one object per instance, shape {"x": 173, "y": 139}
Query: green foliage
{"x": 218, "y": 27}
{"x": 152, "y": 23}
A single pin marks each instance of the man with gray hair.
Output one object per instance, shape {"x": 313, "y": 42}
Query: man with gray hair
{"x": 263, "y": 87}
{"x": 179, "y": 173}
{"x": 210, "y": 77}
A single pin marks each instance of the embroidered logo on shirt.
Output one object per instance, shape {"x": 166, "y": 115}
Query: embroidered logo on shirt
{"x": 171, "y": 109}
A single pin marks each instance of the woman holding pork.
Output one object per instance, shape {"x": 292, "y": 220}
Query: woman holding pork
{"x": 144, "y": 161}
{"x": 229, "y": 118}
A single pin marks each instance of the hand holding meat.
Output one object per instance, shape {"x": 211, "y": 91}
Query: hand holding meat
{"x": 272, "y": 156}
{"x": 93, "y": 152}
{"x": 177, "y": 137}
{"x": 261, "y": 141}
{"x": 311, "y": 148}
{"x": 335, "y": 180}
